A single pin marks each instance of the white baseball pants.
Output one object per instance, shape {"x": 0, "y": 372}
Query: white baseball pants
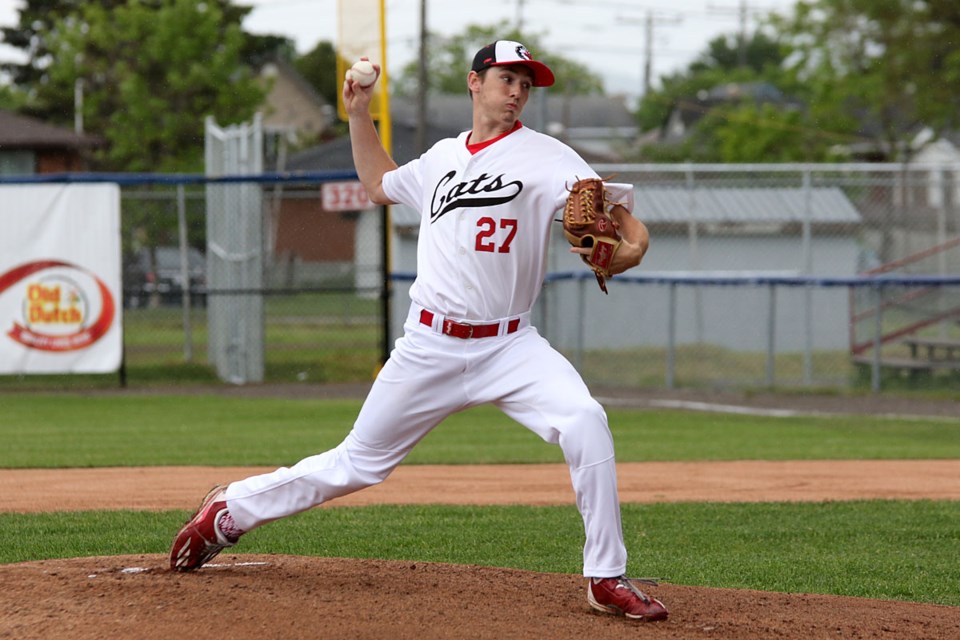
{"x": 430, "y": 376}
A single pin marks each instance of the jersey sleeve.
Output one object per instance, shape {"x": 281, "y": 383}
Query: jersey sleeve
{"x": 405, "y": 184}
{"x": 570, "y": 168}
{"x": 576, "y": 168}
{"x": 621, "y": 193}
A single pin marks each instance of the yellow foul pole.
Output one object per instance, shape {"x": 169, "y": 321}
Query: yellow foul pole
{"x": 386, "y": 130}
{"x": 363, "y": 32}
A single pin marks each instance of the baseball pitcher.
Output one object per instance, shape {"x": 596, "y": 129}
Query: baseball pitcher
{"x": 487, "y": 200}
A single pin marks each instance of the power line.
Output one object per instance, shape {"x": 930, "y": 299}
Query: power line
{"x": 741, "y": 12}
{"x": 758, "y": 8}
{"x": 649, "y": 22}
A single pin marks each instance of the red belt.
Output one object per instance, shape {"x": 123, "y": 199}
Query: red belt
{"x": 464, "y": 331}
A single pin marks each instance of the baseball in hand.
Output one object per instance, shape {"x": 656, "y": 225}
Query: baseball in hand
{"x": 363, "y": 73}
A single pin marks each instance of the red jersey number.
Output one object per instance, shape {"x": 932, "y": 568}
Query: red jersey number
{"x": 488, "y": 227}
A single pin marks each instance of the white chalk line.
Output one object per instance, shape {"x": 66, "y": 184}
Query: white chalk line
{"x": 710, "y": 407}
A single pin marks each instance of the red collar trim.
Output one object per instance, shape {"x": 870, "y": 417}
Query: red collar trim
{"x": 480, "y": 146}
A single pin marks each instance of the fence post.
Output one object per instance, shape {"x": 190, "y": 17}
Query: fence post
{"x": 184, "y": 273}
{"x": 771, "y": 332}
{"x": 671, "y": 335}
{"x": 693, "y": 235}
{"x": 877, "y": 341}
{"x": 941, "y": 239}
{"x": 386, "y": 286}
{"x": 808, "y": 270}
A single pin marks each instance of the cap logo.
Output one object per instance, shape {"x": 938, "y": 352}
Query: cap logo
{"x": 509, "y": 52}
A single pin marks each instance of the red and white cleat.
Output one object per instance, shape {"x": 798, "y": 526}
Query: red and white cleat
{"x": 619, "y": 597}
{"x": 200, "y": 539}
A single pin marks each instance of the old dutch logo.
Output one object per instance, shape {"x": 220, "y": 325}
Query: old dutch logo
{"x": 59, "y": 300}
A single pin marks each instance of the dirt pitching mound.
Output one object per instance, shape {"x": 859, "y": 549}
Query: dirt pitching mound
{"x": 258, "y": 596}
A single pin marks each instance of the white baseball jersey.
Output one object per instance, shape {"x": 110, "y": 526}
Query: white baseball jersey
{"x": 485, "y": 220}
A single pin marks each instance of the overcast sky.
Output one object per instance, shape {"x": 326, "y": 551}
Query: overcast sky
{"x": 605, "y": 35}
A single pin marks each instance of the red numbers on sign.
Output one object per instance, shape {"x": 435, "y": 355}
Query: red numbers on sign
{"x": 487, "y": 227}
{"x": 345, "y": 196}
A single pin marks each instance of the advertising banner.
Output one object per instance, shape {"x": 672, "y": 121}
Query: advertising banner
{"x": 60, "y": 279}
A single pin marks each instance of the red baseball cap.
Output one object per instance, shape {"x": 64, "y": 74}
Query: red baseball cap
{"x": 507, "y": 52}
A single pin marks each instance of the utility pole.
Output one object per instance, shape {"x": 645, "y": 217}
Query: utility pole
{"x": 650, "y": 22}
{"x": 422, "y": 80}
{"x": 742, "y": 12}
{"x": 78, "y": 106}
{"x": 648, "y": 53}
{"x": 742, "y": 40}
{"x": 519, "y": 21}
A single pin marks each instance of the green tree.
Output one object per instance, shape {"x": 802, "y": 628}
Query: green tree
{"x": 257, "y": 50}
{"x": 760, "y": 133}
{"x": 319, "y": 67}
{"x": 11, "y": 99}
{"x": 718, "y": 65}
{"x": 883, "y": 67}
{"x": 449, "y": 60}
{"x": 682, "y": 88}
{"x": 761, "y": 53}
{"x": 37, "y": 21}
{"x": 151, "y": 74}
{"x": 37, "y": 24}
{"x": 804, "y": 127}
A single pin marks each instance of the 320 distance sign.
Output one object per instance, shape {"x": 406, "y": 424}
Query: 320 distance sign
{"x": 344, "y": 196}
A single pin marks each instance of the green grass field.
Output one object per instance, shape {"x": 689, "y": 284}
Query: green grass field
{"x": 877, "y": 549}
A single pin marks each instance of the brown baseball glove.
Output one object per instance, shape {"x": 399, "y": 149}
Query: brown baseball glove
{"x": 587, "y": 224}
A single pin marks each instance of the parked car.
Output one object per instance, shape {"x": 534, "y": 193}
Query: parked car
{"x": 160, "y": 281}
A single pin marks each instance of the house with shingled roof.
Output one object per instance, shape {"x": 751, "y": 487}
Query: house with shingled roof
{"x": 30, "y": 146}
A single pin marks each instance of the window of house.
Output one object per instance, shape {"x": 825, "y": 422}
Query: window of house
{"x": 14, "y": 163}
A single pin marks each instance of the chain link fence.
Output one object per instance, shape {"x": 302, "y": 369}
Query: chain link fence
{"x": 322, "y": 313}
{"x": 767, "y": 276}
{"x": 757, "y": 276}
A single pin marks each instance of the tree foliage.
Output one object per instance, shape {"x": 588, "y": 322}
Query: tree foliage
{"x": 737, "y": 131}
{"x": 719, "y": 64}
{"x": 38, "y": 19}
{"x": 150, "y": 71}
{"x": 319, "y": 67}
{"x": 151, "y": 74}
{"x": 869, "y": 74}
{"x": 760, "y": 133}
{"x": 449, "y": 60}
{"x": 11, "y": 99}
{"x": 894, "y": 64}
